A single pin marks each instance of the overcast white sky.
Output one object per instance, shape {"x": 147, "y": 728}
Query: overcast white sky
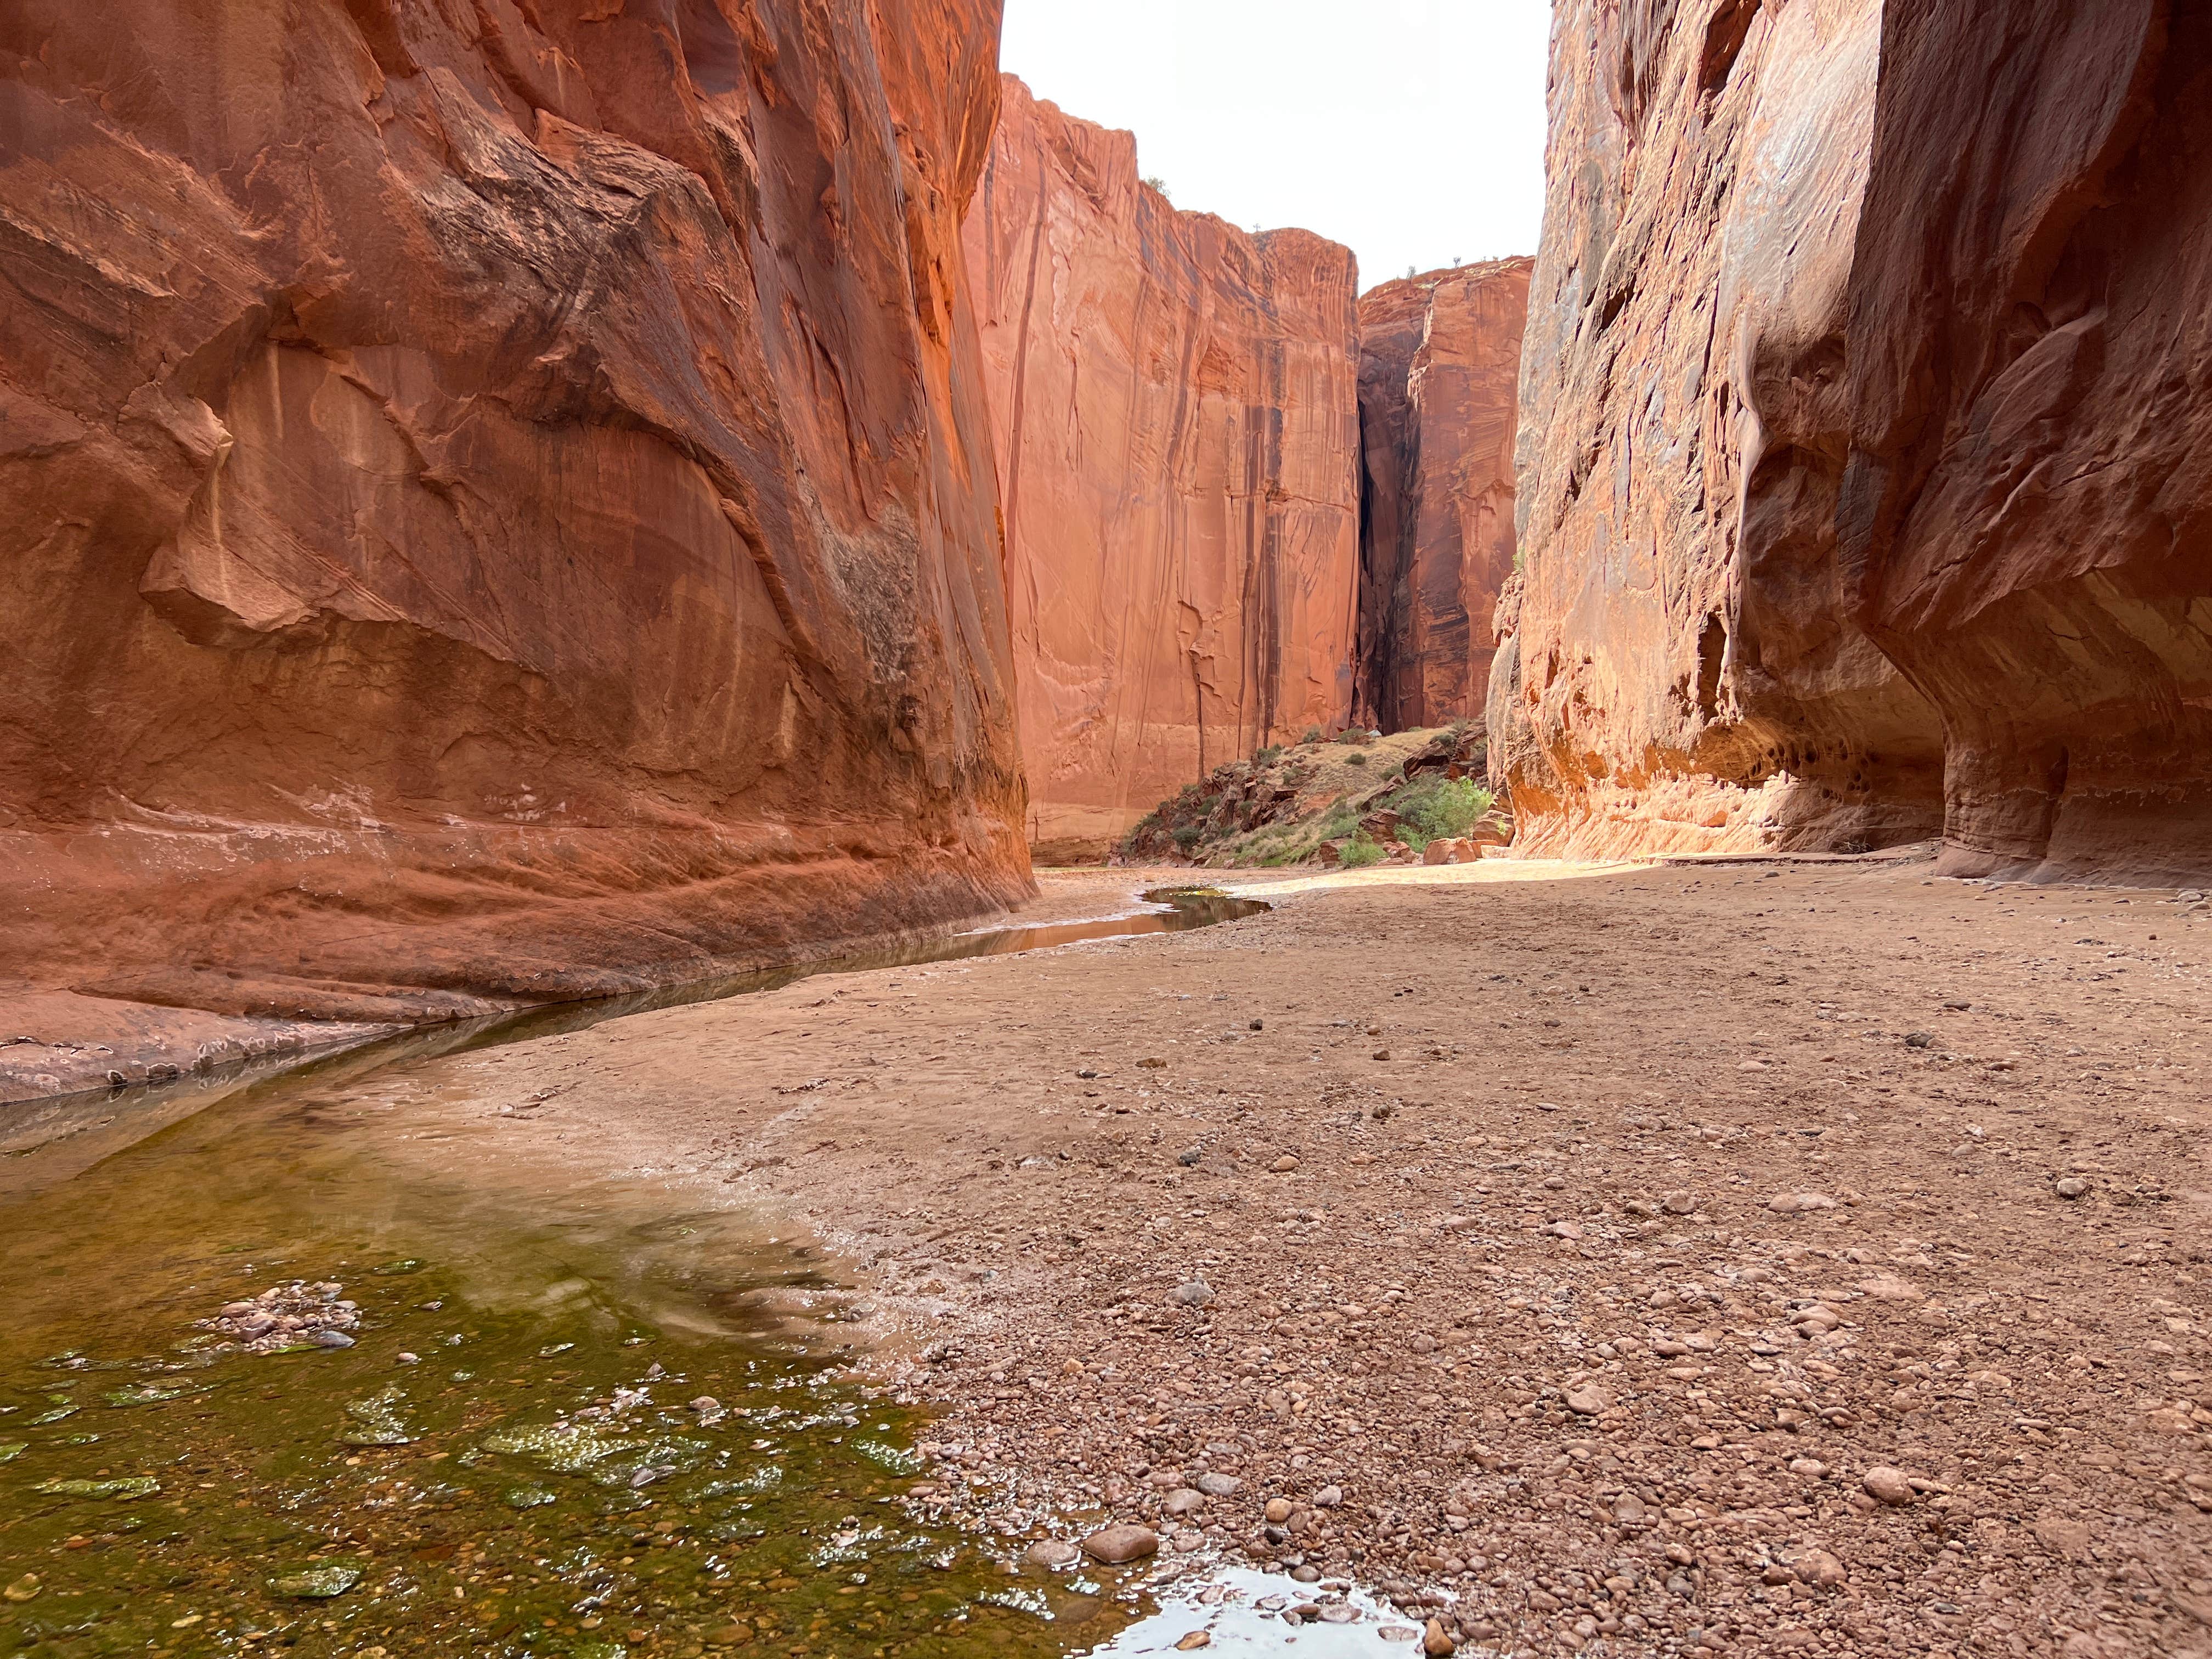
{"x": 1411, "y": 129}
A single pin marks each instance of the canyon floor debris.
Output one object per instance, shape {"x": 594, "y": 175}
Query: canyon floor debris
{"x": 1655, "y": 1295}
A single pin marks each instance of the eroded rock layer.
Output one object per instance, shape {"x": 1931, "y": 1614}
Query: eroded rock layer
{"x": 1865, "y": 483}
{"x": 500, "y": 502}
{"x": 1439, "y": 372}
{"x": 1177, "y": 408}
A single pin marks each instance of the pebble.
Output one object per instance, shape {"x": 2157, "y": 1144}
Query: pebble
{"x": 1799, "y": 1203}
{"x": 2072, "y": 1186}
{"x": 1219, "y": 1486}
{"x": 1053, "y": 1552}
{"x": 705, "y": 1403}
{"x": 332, "y": 1340}
{"x": 1398, "y": 1633}
{"x": 1184, "y": 1500}
{"x": 1435, "y": 1643}
{"x": 1889, "y": 1486}
{"x": 1328, "y": 1497}
{"x": 1278, "y": 1509}
{"x": 1678, "y": 1204}
{"x": 1818, "y": 1567}
{"x": 1283, "y": 1165}
{"x": 1117, "y": 1545}
{"x": 1197, "y": 1638}
{"x": 1589, "y": 1400}
{"x": 1194, "y": 1294}
{"x": 408, "y": 1359}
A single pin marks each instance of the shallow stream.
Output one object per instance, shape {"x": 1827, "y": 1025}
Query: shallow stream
{"x": 546, "y": 1423}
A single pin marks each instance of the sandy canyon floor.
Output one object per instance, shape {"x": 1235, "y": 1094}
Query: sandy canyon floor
{"x": 1745, "y": 1257}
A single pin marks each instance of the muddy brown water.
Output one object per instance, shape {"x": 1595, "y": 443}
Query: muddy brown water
{"x": 507, "y": 1461}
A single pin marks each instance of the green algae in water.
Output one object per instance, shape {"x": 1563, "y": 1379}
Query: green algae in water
{"x": 129, "y": 1487}
{"x": 558, "y": 1499}
{"x": 11, "y": 1450}
{"x": 376, "y": 1421}
{"x": 317, "y": 1581}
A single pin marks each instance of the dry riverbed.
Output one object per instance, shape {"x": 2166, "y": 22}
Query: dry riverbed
{"x": 1741, "y": 1257}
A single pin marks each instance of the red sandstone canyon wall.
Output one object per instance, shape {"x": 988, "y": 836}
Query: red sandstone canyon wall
{"x": 1176, "y": 401}
{"x": 1681, "y": 665}
{"x": 2026, "y": 510}
{"x": 1439, "y": 377}
{"x": 1864, "y": 484}
{"x": 499, "y": 498}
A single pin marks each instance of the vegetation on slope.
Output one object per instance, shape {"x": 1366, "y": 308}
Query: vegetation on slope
{"x": 1354, "y": 800}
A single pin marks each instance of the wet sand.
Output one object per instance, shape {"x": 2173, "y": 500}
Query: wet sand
{"x": 1745, "y": 1257}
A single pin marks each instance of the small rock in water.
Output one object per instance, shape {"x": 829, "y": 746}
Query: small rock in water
{"x": 23, "y": 1589}
{"x": 1398, "y": 1633}
{"x": 526, "y": 1498}
{"x": 332, "y": 1340}
{"x": 1114, "y": 1545}
{"x": 408, "y": 1359}
{"x": 1305, "y": 1573}
{"x": 1053, "y": 1552}
{"x": 1197, "y": 1638}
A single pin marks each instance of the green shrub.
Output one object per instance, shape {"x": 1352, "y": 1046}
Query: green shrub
{"x": 1313, "y": 735}
{"x": 1185, "y": 837}
{"x": 1355, "y": 759}
{"x": 1268, "y": 755}
{"x": 1436, "y": 808}
{"x": 1361, "y": 851}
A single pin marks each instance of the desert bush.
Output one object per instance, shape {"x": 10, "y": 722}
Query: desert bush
{"x": 1435, "y": 807}
{"x": 1361, "y": 851}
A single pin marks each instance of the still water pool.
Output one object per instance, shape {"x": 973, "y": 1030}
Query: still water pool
{"x": 583, "y": 1422}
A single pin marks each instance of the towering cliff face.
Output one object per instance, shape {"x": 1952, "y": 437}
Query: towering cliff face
{"x": 1439, "y": 370}
{"x": 1863, "y": 481}
{"x": 1682, "y": 667}
{"x": 1176, "y": 409}
{"x": 2028, "y": 507}
{"x": 499, "y": 501}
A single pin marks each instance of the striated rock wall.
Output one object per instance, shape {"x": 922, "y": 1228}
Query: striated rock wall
{"x": 1681, "y": 666}
{"x": 499, "y": 498}
{"x": 1863, "y": 481}
{"x": 1439, "y": 372}
{"x": 1177, "y": 408}
{"x": 2027, "y": 510}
